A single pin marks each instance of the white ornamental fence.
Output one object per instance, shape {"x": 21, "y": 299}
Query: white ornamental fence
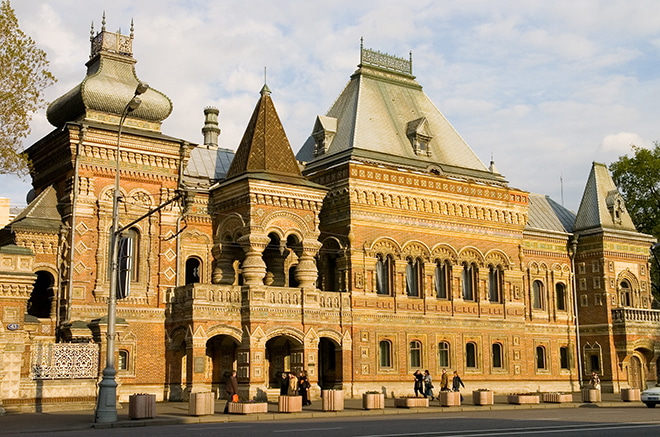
{"x": 64, "y": 361}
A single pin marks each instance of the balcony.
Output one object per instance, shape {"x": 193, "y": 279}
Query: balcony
{"x": 638, "y": 315}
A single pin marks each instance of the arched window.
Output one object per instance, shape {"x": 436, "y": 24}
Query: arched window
{"x": 193, "y": 270}
{"x": 122, "y": 360}
{"x": 471, "y": 355}
{"x": 130, "y": 252}
{"x": 495, "y": 281}
{"x": 537, "y": 295}
{"x": 443, "y": 354}
{"x": 134, "y": 235}
{"x": 443, "y": 280}
{"x": 540, "y": 358}
{"x": 592, "y": 354}
{"x": 470, "y": 273}
{"x": 384, "y": 269}
{"x": 415, "y": 354}
{"x": 560, "y": 291}
{"x": 414, "y": 277}
{"x": 329, "y": 255}
{"x": 385, "y": 353}
{"x": 497, "y": 356}
{"x": 563, "y": 357}
{"x": 626, "y": 294}
{"x": 41, "y": 298}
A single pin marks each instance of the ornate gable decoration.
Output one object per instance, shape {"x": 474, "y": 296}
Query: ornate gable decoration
{"x": 615, "y": 206}
{"x": 324, "y": 132}
{"x": 420, "y": 136}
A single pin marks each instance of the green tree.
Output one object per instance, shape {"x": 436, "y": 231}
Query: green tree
{"x": 638, "y": 179}
{"x": 23, "y": 78}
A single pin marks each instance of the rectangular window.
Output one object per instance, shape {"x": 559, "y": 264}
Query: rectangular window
{"x": 563, "y": 357}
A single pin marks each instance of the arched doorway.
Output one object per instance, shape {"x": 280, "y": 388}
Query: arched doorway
{"x": 222, "y": 351}
{"x": 41, "y": 299}
{"x": 330, "y": 364}
{"x": 635, "y": 373}
{"x": 283, "y": 354}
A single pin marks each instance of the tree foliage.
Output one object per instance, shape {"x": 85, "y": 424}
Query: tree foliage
{"x": 638, "y": 179}
{"x": 23, "y": 78}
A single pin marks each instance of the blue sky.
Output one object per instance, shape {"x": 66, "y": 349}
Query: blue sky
{"x": 546, "y": 88}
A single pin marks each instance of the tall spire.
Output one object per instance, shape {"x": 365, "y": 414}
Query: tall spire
{"x": 265, "y": 147}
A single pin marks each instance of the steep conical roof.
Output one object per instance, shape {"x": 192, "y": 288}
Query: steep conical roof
{"x": 109, "y": 85}
{"x": 602, "y": 205}
{"x": 264, "y": 148}
{"x": 384, "y": 115}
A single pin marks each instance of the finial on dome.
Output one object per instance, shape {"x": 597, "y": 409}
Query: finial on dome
{"x": 103, "y": 23}
{"x": 132, "y": 29}
{"x": 91, "y": 32}
{"x": 265, "y": 91}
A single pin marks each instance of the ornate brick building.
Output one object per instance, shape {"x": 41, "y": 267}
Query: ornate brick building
{"x": 383, "y": 247}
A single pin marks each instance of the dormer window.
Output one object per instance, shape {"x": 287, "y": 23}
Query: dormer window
{"x": 324, "y": 132}
{"x": 420, "y": 136}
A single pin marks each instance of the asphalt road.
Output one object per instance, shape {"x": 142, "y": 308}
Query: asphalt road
{"x": 583, "y": 422}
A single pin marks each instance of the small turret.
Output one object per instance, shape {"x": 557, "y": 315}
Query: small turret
{"x": 211, "y": 130}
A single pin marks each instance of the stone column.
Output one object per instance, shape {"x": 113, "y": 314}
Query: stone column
{"x": 254, "y": 267}
{"x": 307, "y": 271}
{"x": 223, "y": 271}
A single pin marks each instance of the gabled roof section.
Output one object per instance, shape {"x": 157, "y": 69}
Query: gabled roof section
{"x": 602, "y": 205}
{"x": 42, "y": 213}
{"x": 378, "y": 112}
{"x": 265, "y": 147}
{"x": 546, "y": 214}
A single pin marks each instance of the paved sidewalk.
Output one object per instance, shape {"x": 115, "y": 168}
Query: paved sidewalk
{"x": 172, "y": 413}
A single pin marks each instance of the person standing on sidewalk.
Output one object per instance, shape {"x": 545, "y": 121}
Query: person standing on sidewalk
{"x": 284, "y": 384}
{"x": 231, "y": 387}
{"x": 594, "y": 382}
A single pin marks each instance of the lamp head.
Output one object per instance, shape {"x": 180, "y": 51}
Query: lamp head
{"x": 141, "y": 88}
{"x": 133, "y": 104}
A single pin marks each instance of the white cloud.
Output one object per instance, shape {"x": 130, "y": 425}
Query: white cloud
{"x": 620, "y": 143}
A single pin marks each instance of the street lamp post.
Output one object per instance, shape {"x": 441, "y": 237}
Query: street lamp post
{"x": 106, "y": 402}
{"x": 572, "y": 252}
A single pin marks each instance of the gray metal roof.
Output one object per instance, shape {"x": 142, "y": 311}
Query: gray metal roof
{"x": 207, "y": 165}
{"x": 546, "y": 214}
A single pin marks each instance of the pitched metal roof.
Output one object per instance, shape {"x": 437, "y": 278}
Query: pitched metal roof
{"x": 602, "y": 204}
{"x": 376, "y": 113}
{"x": 42, "y": 213}
{"x": 546, "y": 214}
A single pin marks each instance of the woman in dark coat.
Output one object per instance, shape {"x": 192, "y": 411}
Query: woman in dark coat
{"x": 284, "y": 384}
{"x": 303, "y": 388}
